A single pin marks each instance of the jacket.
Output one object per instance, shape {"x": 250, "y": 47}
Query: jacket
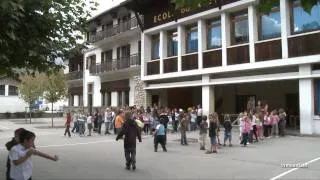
{"x": 131, "y": 131}
{"x": 227, "y": 126}
{"x": 212, "y": 129}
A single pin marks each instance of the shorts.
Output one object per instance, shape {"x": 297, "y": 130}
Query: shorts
{"x": 227, "y": 135}
{"x": 213, "y": 140}
{"x": 90, "y": 126}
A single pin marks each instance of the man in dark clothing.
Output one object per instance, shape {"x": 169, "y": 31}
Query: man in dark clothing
{"x": 164, "y": 119}
{"x": 131, "y": 131}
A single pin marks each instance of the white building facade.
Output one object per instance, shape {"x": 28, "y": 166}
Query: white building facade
{"x": 111, "y": 65}
{"x": 220, "y": 57}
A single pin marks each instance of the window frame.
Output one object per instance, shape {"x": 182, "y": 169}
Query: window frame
{"x": 233, "y": 19}
{"x": 4, "y": 89}
{"x": 16, "y": 93}
{"x": 292, "y": 5}
{"x": 209, "y": 27}
{"x": 190, "y": 29}
{"x": 155, "y": 38}
{"x": 274, "y": 9}
{"x": 171, "y": 34}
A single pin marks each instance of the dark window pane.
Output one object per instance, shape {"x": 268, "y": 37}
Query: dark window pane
{"x": 2, "y": 90}
{"x": 303, "y": 21}
{"x": 317, "y": 97}
{"x": 214, "y": 35}
{"x": 240, "y": 29}
{"x": 192, "y": 41}
{"x": 173, "y": 44}
{"x": 270, "y": 25}
{"x": 155, "y": 48}
{"x": 13, "y": 91}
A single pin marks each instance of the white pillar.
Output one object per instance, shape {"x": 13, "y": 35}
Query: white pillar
{"x": 202, "y": 41}
{"x": 6, "y": 90}
{"x": 96, "y": 95}
{"x": 181, "y": 45}
{"x": 132, "y": 86}
{"x": 145, "y": 53}
{"x": 253, "y": 31}
{"x": 306, "y": 100}
{"x": 225, "y": 36}
{"x": 114, "y": 99}
{"x": 163, "y": 48}
{"x": 285, "y": 26}
{"x": 123, "y": 100}
{"x": 207, "y": 97}
{"x": 76, "y": 100}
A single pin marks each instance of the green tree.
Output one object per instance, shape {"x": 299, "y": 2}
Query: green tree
{"x": 30, "y": 89}
{"x": 34, "y": 33}
{"x": 264, "y": 6}
{"x": 55, "y": 89}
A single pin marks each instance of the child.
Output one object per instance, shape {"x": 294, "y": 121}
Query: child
{"x": 160, "y": 133}
{"x": 89, "y": 123}
{"x": 245, "y": 131}
{"x": 216, "y": 116}
{"x": 21, "y": 164}
{"x": 240, "y": 126}
{"x": 227, "y": 130}
{"x": 274, "y": 123}
{"x": 282, "y": 122}
{"x": 212, "y": 134}
{"x": 9, "y": 145}
{"x": 266, "y": 124}
{"x": 203, "y": 133}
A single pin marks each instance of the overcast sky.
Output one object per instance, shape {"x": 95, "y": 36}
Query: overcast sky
{"x": 104, "y": 5}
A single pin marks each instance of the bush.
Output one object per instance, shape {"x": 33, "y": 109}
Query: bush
{"x": 7, "y": 114}
{"x": 20, "y": 114}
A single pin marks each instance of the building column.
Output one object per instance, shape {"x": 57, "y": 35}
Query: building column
{"x": 76, "y": 101}
{"x": 253, "y": 31}
{"x": 207, "y": 97}
{"x": 6, "y": 90}
{"x": 225, "y": 36}
{"x": 163, "y": 48}
{"x": 123, "y": 98}
{"x": 145, "y": 52}
{"x": 285, "y": 27}
{"x": 306, "y": 100}
{"x": 202, "y": 41}
{"x": 181, "y": 45}
{"x": 114, "y": 99}
{"x": 148, "y": 101}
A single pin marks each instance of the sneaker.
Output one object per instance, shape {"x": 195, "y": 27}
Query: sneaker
{"x": 224, "y": 145}
{"x": 133, "y": 167}
{"x": 208, "y": 152}
{"x": 128, "y": 167}
{"x": 214, "y": 152}
{"x": 230, "y": 145}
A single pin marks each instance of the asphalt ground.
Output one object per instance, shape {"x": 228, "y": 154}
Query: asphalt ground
{"x": 101, "y": 157}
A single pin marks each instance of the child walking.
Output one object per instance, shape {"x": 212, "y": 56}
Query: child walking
{"x": 213, "y": 134}
{"x": 245, "y": 131}
{"x": 227, "y": 130}
{"x": 20, "y": 156}
{"x": 160, "y": 133}
{"x": 203, "y": 133}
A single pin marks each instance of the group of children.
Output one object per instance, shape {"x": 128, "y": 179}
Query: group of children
{"x": 21, "y": 148}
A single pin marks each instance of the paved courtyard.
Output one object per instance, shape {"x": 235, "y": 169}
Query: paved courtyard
{"x": 101, "y": 157}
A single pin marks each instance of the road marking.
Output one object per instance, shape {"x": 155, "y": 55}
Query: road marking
{"x": 291, "y": 170}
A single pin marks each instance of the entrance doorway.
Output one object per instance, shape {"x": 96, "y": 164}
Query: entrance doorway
{"x": 155, "y": 100}
{"x": 242, "y": 102}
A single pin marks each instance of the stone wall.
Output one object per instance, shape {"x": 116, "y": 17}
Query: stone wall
{"x": 139, "y": 92}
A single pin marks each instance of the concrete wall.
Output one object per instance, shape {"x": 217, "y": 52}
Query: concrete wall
{"x": 12, "y": 104}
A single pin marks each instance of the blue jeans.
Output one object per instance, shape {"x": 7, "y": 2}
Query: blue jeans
{"x": 107, "y": 127}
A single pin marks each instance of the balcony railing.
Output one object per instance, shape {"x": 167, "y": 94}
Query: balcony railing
{"x": 116, "y": 64}
{"x": 238, "y": 54}
{"x": 212, "y": 58}
{"x": 116, "y": 29}
{"x": 75, "y": 75}
{"x": 268, "y": 50}
{"x": 170, "y": 65}
{"x": 189, "y": 62}
{"x": 153, "y": 67}
{"x": 304, "y": 44}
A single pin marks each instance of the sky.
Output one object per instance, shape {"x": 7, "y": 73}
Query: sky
{"x": 104, "y": 5}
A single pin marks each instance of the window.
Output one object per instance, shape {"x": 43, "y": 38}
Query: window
{"x": 2, "y": 90}
{"x": 317, "y": 96}
{"x": 155, "y": 47}
{"x": 106, "y": 56}
{"x": 270, "y": 24}
{"x": 13, "y": 91}
{"x": 303, "y": 21}
{"x": 192, "y": 39}
{"x": 91, "y": 60}
{"x": 172, "y": 43}
{"x": 214, "y": 34}
{"x": 240, "y": 28}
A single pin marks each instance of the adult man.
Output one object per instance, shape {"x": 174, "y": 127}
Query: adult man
{"x": 131, "y": 131}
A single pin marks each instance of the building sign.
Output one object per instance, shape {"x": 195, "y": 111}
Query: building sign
{"x": 156, "y": 16}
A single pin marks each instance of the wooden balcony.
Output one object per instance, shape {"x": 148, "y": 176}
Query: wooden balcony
{"x": 170, "y": 65}
{"x": 189, "y": 62}
{"x": 75, "y": 75}
{"x": 304, "y": 45}
{"x": 116, "y": 29}
{"x": 116, "y": 64}
{"x": 238, "y": 54}
{"x": 212, "y": 58}
{"x": 268, "y": 50}
{"x": 153, "y": 67}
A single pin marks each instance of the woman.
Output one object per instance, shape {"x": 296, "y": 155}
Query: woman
{"x": 68, "y": 122}
{"x": 21, "y": 164}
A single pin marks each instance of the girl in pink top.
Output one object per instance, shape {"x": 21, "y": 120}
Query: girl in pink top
{"x": 245, "y": 131}
{"x": 274, "y": 123}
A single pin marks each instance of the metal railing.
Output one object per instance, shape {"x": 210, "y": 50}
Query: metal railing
{"x": 116, "y": 64}
{"x": 114, "y": 30}
{"x": 75, "y": 75}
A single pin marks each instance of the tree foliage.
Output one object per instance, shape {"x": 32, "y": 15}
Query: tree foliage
{"x": 264, "y": 6}
{"x": 35, "y": 33}
{"x": 31, "y": 88}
